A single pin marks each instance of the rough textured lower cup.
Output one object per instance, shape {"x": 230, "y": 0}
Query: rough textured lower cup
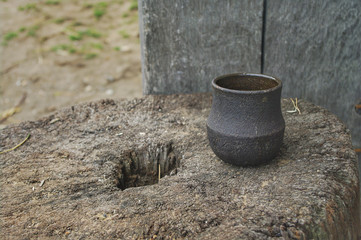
{"x": 245, "y": 126}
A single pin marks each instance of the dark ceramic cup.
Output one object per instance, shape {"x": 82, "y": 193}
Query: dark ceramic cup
{"x": 245, "y": 126}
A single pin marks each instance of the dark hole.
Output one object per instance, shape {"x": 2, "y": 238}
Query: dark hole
{"x": 141, "y": 167}
{"x": 247, "y": 83}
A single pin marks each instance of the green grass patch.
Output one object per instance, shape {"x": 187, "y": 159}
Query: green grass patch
{"x": 117, "y": 48}
{"x": 32, "y": 30}
{"x": 100, "y": 9}
{"x": 91, "y": 33}
{"x": 76, "y": 23}
{"x": 9, "y": 36}
{"x": 52, "y": 2}
{"x": 97, "y": 46}
{"x": 90, "y": 55}
{"x": 75, "y": 37}
{"x": 133, "y": 5}
{"x": 124, "y": 34}
{"x": 22, "y": 29}
{"x": 28, "y": 7}
{"x": 117, "y": 2}
{"x": 125, "y": 15}
{"x": 132, "y": 19}
{"x": 88, "y": 5}
{"x": 64, "y": 47}
{"x": 59, "y": 20}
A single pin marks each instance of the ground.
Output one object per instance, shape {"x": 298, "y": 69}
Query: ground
{"x": 56, "y": 53}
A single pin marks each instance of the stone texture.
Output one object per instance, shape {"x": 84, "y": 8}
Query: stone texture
{"x": 83, "y": 153}
{"x": 315, "y": 48}
{"x": 186, "y": 44}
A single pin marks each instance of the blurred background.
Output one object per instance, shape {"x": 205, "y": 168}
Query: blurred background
{"x": 57, "y": 53}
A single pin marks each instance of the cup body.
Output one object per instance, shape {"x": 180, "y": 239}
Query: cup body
{"x": 245, "y": 126}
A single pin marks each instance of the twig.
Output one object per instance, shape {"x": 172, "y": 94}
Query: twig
{"x": 42, "y": 183}
{"x": 158, "y": 172}
{"x": 6, "y": 70}
{"x": 12, "y": 111}
{"x": 22, "y": 100}
{"x": 8, "y": 150}
{"x": 295, "y": 106}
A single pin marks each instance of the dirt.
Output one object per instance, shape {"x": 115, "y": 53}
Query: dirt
{"x": 91, "y": 171}
{"x": 58, "y": 53}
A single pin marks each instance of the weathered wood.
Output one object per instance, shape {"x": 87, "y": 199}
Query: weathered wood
{"x": 76, "y": 176}
{"x": 185, "y": 44}
{"x": 315, "y": 48}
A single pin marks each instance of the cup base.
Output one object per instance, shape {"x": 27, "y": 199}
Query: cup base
{"x": 245, "y": 151}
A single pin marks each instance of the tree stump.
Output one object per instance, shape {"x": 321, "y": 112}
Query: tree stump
{"x": 118, "y": 169}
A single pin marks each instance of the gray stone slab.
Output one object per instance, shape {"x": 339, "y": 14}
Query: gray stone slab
{"x": 315, "y": 48}
{"x": 185, "y": 44}
{"x": 91, "y": 172}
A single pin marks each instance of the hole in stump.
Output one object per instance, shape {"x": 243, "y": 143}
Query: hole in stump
{"x": 141, "y": 167}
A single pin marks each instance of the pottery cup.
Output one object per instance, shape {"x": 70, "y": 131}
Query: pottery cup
{"x": 245, "y": 126}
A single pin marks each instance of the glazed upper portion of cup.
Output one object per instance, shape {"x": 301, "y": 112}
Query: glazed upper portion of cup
{"x": 246, "y": 104}
{"x": 246, "y": 83}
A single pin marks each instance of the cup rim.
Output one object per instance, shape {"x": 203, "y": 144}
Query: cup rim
{"x": 223, "y": 89}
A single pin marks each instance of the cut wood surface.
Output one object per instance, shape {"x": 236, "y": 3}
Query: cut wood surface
{"x": 92, "y": 171}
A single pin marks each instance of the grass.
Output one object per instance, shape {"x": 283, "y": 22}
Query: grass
{"x": 117, "y": 48}
{"x": 125, "y": 15}
{"x": 52, "y": 2}
{"x": 9, "y": 36}
{"x": 59, "y": 20}
{"x": 124, "y": 34}
{"x": 77, "y": 36}
{"x": 133, "y": 5}
{"x": 97, "y": 46}
{"x": 28, "y": 7}
{"x": 76, "y": 23}
{"x": 133, "y": 19}
{"x": 90, "y": 55}
{"x": 92, "y": 33}
{"x": 100, "y": 9}
{"x": 32, "y": 30}
{"x": 22, "y": 29}
{"x": 64, "y": 47}
{"x": 86, "y": 50}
